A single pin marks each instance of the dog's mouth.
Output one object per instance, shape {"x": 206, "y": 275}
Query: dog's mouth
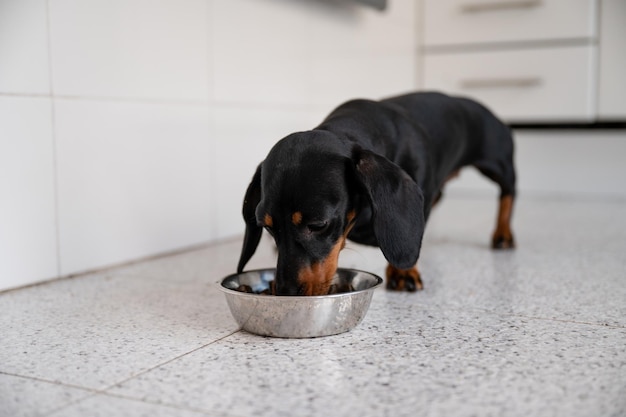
{"x": 334, "y": 288}
{"x": 309, "y": 284}
{"x": 316, "y": 287}
{"x": 317, "y": 278}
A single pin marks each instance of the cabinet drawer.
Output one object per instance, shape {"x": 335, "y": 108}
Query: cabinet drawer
{"x": 549, "y": 84}
{"x": 462, "y": 22}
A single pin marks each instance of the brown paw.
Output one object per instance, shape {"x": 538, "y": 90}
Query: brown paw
{"x": 502, "y": 242}
{"x": 403, "y": 279}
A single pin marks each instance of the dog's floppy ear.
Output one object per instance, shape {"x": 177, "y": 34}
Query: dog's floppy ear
{"x": 253, "y": 230}
{"x": 397, "y": 207}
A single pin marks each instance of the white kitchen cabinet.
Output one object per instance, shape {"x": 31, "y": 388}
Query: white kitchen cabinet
{"x": 612, "y": 65}
{"x": 469, "y": 22}
{"x": 521, "y": 85}
{"x": 530, "y": 61}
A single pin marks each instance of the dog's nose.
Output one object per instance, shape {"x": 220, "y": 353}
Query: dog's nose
{"x": 284, "y": 285}
{"x": 287, "y": 289}
{"x": 286, "y": 279}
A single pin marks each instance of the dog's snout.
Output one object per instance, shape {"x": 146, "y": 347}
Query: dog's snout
{"x": 286, "y": 279}
{"x": 286, "y": 288}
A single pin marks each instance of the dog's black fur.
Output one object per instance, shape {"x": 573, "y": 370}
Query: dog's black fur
{"x": 371, "y": 172}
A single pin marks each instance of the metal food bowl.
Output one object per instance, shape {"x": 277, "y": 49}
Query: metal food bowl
{"x": 299, "y": 316}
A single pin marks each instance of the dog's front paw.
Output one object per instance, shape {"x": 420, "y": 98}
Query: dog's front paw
{"x": 403, "y": 279}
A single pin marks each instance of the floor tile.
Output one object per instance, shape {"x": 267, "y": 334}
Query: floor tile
{"x": 436, "y": 362}
{"x": 98, "y": 330}
{"x": 25, "y": 397}
{"x": 568, "y": 265}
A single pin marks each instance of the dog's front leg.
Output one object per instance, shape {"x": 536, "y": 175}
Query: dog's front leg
{"x": 403, "y": 279}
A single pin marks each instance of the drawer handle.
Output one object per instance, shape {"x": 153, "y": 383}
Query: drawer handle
{"x": 501, "y": 82}
{"x": 499, "y": 5}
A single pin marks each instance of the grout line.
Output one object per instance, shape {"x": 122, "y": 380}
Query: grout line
{"x": 212, "y": 157}
{"x": 186, "y": 102}
{"x": 49, "y": 381}
{"x": 537, "y": 318}
{"x": 288, "y": 106}
{"x": 169, "y": 405}
{"x": 192, "y": 102}
{"x": 211, "y": 102}
{"x": 419, "y": 36}
{"x": 106, "y": 389}
{"x": 469, "y": 308}
{"x": 53, "y": 132}
{"x": 26, "y": 95}
{"x": 606, "y": 325}
{"x": 210, "y": 34}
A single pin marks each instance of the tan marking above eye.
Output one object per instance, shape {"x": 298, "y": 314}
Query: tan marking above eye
{"x": 296, "y": 218}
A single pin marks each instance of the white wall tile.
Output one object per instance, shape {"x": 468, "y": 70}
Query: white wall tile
{"x": 151, "y": 49}
{"x": 311, "y": 52}
{"x": 24, "y": 47}
{"x": 244, "y": 136}
{"x": 134, "y": 180}
{"x": 28, "y": 248}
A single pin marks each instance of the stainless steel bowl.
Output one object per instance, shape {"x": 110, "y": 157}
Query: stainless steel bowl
{"x": 299, "y": 316}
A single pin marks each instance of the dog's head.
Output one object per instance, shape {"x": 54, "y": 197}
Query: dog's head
{"x": 310, "y": 191}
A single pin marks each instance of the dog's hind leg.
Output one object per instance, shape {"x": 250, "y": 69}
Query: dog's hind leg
{"x": 503, "y": 174}
{"x": 502, "y": 237}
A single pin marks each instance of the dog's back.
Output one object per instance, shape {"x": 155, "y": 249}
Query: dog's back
{"x": 429, "y": 135}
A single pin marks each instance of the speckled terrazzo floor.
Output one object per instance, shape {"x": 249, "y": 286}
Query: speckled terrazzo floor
{"x": 539, "y": 331}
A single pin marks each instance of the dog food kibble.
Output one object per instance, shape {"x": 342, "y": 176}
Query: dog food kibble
{"x": 244, "y": 288}
{"x": 340, "y": 288}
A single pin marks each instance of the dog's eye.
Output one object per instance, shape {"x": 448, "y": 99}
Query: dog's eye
{"x": 317, "y": 227}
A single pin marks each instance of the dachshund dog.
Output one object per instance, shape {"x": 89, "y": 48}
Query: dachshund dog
{"x": 371, "y": 173}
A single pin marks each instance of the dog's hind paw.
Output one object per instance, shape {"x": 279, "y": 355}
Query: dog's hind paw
{"x": 403, "y": 279}
{"x": 502, "y": 241}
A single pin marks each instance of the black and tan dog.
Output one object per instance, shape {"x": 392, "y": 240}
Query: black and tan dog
{"x": 371, "y": 173}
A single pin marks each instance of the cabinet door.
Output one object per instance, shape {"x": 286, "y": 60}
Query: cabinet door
{"x": 533, "y": 85}
{"x": 462, "y": 22}
{"x": 612, "y": 95}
